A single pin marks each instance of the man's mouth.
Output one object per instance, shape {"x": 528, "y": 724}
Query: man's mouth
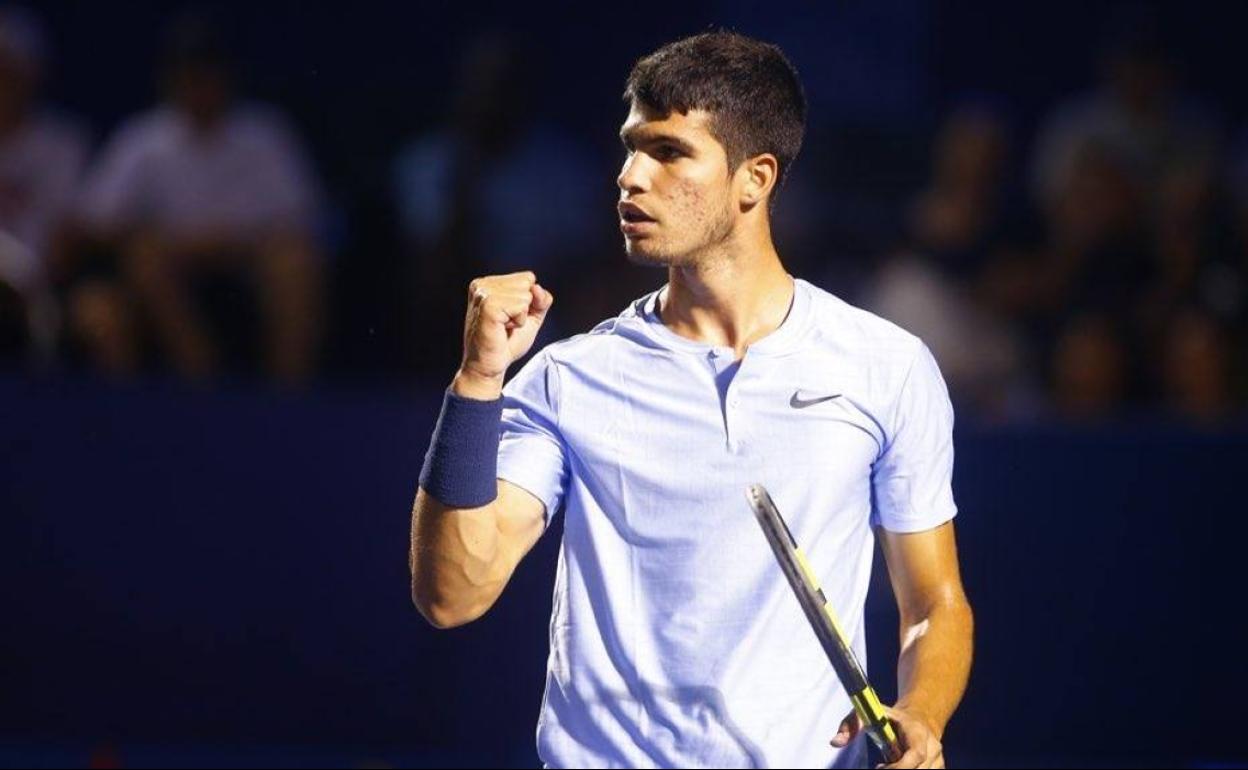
{"x": 633, "y": 214}
{"x": 634, "y": 220}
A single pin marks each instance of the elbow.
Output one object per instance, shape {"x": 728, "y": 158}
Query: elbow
{"x": 443, "y": 615}
{"x": 443, "y": 618}
{"x": 949, "y": 607}
{"x": 960, "y": 615}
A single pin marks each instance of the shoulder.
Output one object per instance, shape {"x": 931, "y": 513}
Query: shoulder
{"x": 153, "y": 132}
{"x": 158, "y": 122}
{"x": 860, "y": 333}
{"x": 56, "y": 129}
{"x": 623, "y": 334}
{"x": 261, "y": 122}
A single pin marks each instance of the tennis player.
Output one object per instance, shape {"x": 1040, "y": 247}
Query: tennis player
{"x": 674, "y": 639}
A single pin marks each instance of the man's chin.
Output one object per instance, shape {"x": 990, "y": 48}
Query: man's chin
{"x": 640, "y": 252}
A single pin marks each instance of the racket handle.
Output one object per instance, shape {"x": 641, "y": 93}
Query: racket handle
{"x": 885, "y": 739}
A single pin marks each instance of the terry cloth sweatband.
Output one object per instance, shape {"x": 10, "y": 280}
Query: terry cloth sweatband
{"x": 461, "y": 465}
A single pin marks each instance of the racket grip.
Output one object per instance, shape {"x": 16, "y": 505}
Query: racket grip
{"x": 885, "y": 739}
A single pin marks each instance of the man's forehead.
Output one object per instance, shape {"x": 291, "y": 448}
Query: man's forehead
{"x": 642, "y": 121}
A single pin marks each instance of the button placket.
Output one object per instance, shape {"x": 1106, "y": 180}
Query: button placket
{"x": 721, "y": 359}
{"x": 732, "y": 411}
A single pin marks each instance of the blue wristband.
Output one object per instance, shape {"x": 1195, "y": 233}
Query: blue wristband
{"x": 461, "y": 466}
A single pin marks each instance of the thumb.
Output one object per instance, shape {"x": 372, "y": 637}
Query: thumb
{"x": 542, "y": 300}
{"x": 850, "y": 727}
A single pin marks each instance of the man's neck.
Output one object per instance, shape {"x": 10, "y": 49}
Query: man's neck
{"x": 730, "y": 299}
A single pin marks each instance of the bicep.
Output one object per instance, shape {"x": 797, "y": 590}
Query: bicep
{"x": 923, "y": 569}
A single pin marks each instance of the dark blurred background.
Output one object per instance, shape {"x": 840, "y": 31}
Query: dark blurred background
{"x": 234, "y": 246}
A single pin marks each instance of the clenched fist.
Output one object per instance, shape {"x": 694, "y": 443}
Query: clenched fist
{"x": 505, "y": 313}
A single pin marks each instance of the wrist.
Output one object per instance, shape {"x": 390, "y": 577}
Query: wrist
{"x": 468, "y": 384}
{"x": 923, "y": 714}
{"x": 460, "y": 469}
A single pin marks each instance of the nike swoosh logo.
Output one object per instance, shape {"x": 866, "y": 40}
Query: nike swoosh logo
{"x": 797, "y": 402}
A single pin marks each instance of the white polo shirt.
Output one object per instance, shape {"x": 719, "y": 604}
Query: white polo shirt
{"x": 675, "y": 640}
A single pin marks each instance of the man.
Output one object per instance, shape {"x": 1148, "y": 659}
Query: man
{"x": 41, "y": 160}
{"x": 675, "y": 640}
{"x": 209, "y": 190}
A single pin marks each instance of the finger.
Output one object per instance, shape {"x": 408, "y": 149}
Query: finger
{"x": 542, "y": 300}
{"x": 509, "y": 299}
{"x": 492, "y": 284}
{"x": 506, "y": 310}
{"x": 517, "y": 316}
{"x": 911, "y": 759}
{"x": 522, "y": 280}
{"x": 850, "y": 727}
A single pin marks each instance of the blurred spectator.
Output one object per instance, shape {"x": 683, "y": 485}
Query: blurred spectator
{"x": 1137, "y": 114}
{"x": 207, "y": 200}
{"x": 41, "y": 159}
{"x": 931, "y": 288}
{"x": 1194, "y": 230}
{"x": 1098, "y": 254}
{"x": 1197, "y": 360}
{"x": 1139, "y": 227}
{"x": 497, "y": 189}
{"x": 956, "y": 217}
{"x": 1091, "y": 370}
{"x": 981, "y": 357}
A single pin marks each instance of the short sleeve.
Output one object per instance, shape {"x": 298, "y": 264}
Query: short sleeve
{"x": 531, "y": 452}
{"x": 912, "y": 481}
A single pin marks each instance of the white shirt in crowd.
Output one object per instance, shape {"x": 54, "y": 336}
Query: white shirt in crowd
{"x": 246, "y": 178}
{"x": 40, "y": 168}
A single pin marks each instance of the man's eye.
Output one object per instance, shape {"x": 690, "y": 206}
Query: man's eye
{"x": 667, "y": 152}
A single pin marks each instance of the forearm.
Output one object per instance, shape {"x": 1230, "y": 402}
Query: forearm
{"x": 935, "y": 661}
{"x": 458, "y": 561}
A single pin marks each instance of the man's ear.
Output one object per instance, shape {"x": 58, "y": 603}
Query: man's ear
{"x": 760, "y": 173}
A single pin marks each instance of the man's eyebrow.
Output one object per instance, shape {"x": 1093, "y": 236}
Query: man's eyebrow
{"x": 633, "y": 136}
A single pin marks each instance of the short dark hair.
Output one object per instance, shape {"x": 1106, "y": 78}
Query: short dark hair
{"x": 749, "y": 87}
{"x": 196, "y": 40}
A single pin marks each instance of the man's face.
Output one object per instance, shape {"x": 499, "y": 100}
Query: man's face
{"x": 677, "y": 197}
{"x": 202, "y": 91}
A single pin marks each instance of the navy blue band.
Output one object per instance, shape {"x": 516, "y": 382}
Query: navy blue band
{"x": 461, "y": 466}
